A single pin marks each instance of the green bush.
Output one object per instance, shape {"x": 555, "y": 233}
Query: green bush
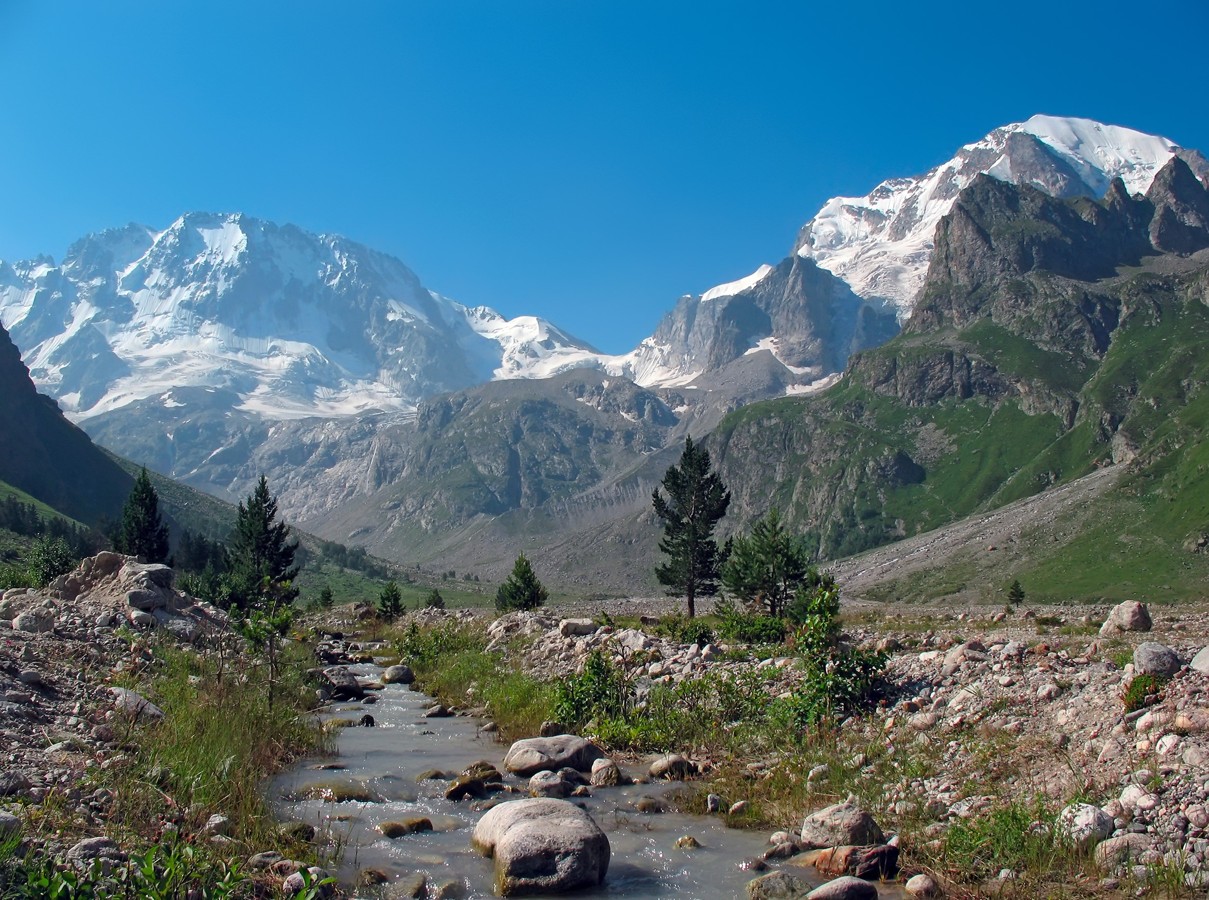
{"x": 49, "y": 558}
{"x": 681, "y": 628}
{"x": 735, "y": 624}
{"x": 1141, "y": 687}
{"x": 600, "y": 692}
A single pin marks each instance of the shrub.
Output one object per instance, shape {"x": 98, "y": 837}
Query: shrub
{"x": 49, "y": 558}
{"x": 749, "y": 628}
{"x": 1139, "y": 690}
{"x": 685, "y": 630}
{"x": 599, "y": 692}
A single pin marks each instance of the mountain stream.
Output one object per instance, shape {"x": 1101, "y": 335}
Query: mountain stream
{"x": 372, "y": 779}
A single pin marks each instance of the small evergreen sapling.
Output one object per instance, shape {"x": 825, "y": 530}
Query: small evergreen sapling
{"x": 390, "y": 602}
{"x": 521, "y": 590}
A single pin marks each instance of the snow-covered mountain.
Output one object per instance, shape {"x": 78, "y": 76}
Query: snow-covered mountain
{"x": 287, "y": 322}
{"x": 880, "y": 244}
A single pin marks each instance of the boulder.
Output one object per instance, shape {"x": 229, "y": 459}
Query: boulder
{"x": 922, "y": 885}
{"x": 1128, "y": 616}
{"x": 342, "y": 684}
{"x": 542, "y": 845}
{"x": 1122, "y": 850}
{"x": 135, "y": 705}
{"x": 1085, "y": 825}
{"x": 844, "y": 888}
{"x": 99, "y": 852}
{"x": 1151, "y": 658}
{"x": 549, "y": 784}
{"x": 840, "y": 824}
{"x": 146, "y": 599}
{"x": 398, "y": 675}
{"x": 673, "y": 767}
{"x": 777, "y": 885}
{"x": 147, "y": 574}
{"x": 605, "y": 773}
{"x": 871, "y": 863}
{"x": 295, "y": 884}
{"x": 1200, "y": 662}
{"x": 532, "y": 755}
{"x": 577, "y": 627}
{"x": 34, "y": 621}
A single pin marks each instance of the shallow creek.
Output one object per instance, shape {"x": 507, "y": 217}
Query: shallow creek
{"x": 384, "y": 761}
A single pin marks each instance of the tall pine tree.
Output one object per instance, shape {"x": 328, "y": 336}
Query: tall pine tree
{"x": 696, "y": 500}
{"x": 261, "y": 554}
{"x": 141, "y": 532}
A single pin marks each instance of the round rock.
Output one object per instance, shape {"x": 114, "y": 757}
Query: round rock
{"x": 1151, "y": 658}
{"x": 532, "y": 755}
{"x": 542, "y": 845}
{"x": 840, "y": 824}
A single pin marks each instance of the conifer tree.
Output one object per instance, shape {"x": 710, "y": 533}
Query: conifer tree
{"x": 142, "y": 533}
{"x": 261, "y": 554}
{"x": 390, "y": 602}
{"x": 766, "y": 567}
{"x": 326, "y": 600}
{"x": 521, "y": 590}
{"x": 696, "y": 500}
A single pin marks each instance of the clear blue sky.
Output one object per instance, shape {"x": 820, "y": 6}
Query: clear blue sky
{"x": 584, "y": 161}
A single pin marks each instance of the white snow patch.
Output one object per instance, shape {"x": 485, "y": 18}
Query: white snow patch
{"x": 737, "y": 287}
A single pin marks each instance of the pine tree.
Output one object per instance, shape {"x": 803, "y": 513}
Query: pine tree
{"x": 697, "y": 499}
{"x": 326, "y": 600}
{"x": 142, "y": 533}
{"x": 521, "y": 590}
{"x": 390, "y": 602}
{"x": 434, "y": 600}
{"x": 261, "y": 554}
{"x": 1016, "y": 593}
{"x": 766, "y": 568}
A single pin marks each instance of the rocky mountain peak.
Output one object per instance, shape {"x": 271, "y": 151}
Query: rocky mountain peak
{"x": 1181, "y": 209}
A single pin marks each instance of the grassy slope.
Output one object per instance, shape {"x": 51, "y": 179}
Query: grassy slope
{"x": 1128, "y": 543}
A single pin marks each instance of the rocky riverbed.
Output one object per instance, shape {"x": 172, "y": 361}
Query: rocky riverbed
{"x": 992, "y": 706}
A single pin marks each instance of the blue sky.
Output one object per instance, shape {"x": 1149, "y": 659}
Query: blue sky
{"x": 584, "y": 161}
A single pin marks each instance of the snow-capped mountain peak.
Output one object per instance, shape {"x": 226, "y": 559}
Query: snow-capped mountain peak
{"x": 287, "y": 322}
{"x": 880, "y": 244}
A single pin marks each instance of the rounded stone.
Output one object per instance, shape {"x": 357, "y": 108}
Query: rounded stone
{"x": 542, "y": 845}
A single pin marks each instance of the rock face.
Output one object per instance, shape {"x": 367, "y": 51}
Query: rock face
{"x": 1128, "y": 616}
{"x": 533, "y": 755}
{"x": 542, "y": 846}
{"x": 840, "y": 824}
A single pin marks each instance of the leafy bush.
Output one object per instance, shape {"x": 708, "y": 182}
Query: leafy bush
{"x": 684, "y": 630}
{"x": 49, "y": 558}
{"x": 598, "y": 693}
{"x": 839, "y": 683}
{"x": 750, "y": 628}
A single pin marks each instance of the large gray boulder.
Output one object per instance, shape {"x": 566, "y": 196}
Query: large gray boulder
{"x": 840, "y": 824}
{"x": 542, "y": 845}
{"x": 1151, "y": 658}
{"x": 398, "y": 675}
{"x": 1128, "y": 616}
{"x": 533, "y": 755}
{"x": 342, "y": 684}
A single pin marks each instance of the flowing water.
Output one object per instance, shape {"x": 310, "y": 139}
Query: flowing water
{"x": 381, "y": 764}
